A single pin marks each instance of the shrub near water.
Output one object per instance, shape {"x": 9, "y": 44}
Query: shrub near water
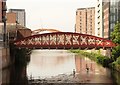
{"x": 103, "y": 60}
{"x": 116, "y": 64}
{"x": 118, "y": 60}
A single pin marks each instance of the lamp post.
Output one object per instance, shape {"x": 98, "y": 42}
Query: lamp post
{"x": 16, "y": 30}
{"x": 4, "y": 9}
{"x": 4, "y": 30}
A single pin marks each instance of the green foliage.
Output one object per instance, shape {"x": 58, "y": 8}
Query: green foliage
{"x": 103, "y": 60}
{"x": 115, "y": 35}
{"x": 116, "y": 52}
{"x": 118, "y": 60}
{"x": 75, "y": 51}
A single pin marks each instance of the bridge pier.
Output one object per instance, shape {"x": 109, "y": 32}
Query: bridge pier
{"x": 106, "y": 52}
{"x": 5, "y": 60}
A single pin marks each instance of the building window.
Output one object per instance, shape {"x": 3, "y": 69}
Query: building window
{"x": 80, "y": 29}
{"x": 98, "y": 22}
{"x": 91, "y": 25}
{"x": 76, "y": 13}
{"x": 98, "y": 5}
{"x": 91, "y": 32}
{"x": 91, "y": 11}
{"x": 80, "y": 13}
{"x": 98, "y": 17}
{"x": 98, "y": 11}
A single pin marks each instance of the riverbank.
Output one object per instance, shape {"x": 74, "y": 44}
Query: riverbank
{"x": 64, "y": 79}
{"x": 57, "y": 67}
{"x": 105, "y": 61}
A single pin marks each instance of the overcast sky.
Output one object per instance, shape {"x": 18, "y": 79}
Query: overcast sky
{"x": 55, "y": 14}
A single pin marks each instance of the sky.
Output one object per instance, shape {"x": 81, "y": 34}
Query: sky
{"x": 50, "y": 14}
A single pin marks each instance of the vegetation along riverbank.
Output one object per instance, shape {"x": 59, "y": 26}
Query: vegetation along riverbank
{"x": 112, "y": 62}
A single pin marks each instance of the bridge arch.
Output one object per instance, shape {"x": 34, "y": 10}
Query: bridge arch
{"x": 43, "y": 30}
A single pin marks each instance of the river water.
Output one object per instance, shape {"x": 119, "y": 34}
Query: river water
{"x": 58, "y": 66}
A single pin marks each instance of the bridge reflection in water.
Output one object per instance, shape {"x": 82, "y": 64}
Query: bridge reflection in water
{"x": 54, "y": 63}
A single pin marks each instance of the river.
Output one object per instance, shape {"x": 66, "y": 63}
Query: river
{"x": 58, "y": 66}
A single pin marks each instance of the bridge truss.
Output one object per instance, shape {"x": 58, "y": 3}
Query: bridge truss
{"x": 63, "y": 40}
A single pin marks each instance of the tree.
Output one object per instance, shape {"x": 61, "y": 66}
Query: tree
{"x": 115, "y": 36}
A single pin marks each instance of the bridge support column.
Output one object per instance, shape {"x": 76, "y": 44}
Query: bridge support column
{"x": 5, "y": 60}
{"x": 106, "y": 52}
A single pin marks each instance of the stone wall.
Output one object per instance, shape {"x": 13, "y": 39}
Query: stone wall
{"x": 4, "y": 57}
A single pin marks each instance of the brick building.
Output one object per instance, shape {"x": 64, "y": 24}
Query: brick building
{"x": 85, "y": 21}
{"x": 111, "y": 11}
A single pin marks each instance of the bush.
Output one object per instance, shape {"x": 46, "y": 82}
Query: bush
{"x": 103, "y": 60}
{"x": 118, "y": 60}
{"x": 116, "y": 52}
{"x": 75, "y": 51}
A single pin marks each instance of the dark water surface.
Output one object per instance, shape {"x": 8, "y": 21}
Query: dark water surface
{"x": 58, "y": 66}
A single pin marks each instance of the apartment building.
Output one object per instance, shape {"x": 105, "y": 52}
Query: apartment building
{"x": 99, "y": 18}
{"x": 85, "y": 21}
{"x": 11, "y": 17}
{"x": 111, "y": 11}
{"x": 0, "y": 11}
{"x": 107, "y": 15}
{"x": 20, "y": 16}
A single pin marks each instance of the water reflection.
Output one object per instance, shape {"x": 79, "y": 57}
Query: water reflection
{"x": 116, "y": 77}
{"x": 49, "y": 63}
{"x": 91, "y": 71}
{"x": 46, "y": 64}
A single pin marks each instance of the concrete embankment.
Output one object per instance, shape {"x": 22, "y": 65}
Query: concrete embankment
{"x": 4, "y": 57}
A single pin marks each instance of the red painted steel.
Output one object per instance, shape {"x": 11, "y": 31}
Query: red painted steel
{"x": 63, "y": 40}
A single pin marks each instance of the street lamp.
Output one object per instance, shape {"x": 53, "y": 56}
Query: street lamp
{"x": 4, "y": 9}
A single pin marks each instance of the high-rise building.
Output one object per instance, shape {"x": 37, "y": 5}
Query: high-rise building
{"x": 99, "y": 18}
{"x": 20, "y": 16}
{"x": 3, "y": 10}
{"x": 11, "y": 17}
{"x": 107, "y": 15}
{"x": 85, "y": 21}
{"x": 4, "y": 45}
{"x": 0, "y": 11}
{"x": 111, "y": 11}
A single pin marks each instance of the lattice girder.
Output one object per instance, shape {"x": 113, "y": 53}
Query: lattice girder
{"x": 63, "y": 40}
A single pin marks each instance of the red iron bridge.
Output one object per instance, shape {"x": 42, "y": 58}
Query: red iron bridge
{"x": 63, "y": 40}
